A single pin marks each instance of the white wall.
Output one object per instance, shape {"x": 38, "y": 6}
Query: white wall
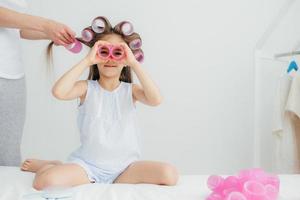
{"x": 201, "y": 55}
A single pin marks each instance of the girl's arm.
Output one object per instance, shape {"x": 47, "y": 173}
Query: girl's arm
{"x": 57, "y": 32}
{"x": 148, "y": 93}
{"x": 68, "y": 87}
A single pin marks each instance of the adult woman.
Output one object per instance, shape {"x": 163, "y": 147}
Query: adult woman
{"x": 14, "y": 25}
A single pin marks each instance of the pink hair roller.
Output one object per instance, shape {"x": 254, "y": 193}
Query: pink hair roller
{"x": 214, "y": 196}
{"x": 249, "y": 184}
{"x": 139, "y": 55}
{"x": 111, "y": 52}
{"x": 75, "y": 47}
{"x": 254, "y": 190}
{"x": 215, "y": 183}
{"x": 98, "y": 25}
{"x": 126, "y": 28}
{"x": 236, "y": 196}
{"x": 87, "y": 34}
{"x": 135, "y": 44}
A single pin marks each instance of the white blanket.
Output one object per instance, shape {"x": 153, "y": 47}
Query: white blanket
{"x": 15, "y": 184}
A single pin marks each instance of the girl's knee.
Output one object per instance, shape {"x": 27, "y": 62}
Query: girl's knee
{"x": 169, "y": 175}
{"x": 44, "y": 181}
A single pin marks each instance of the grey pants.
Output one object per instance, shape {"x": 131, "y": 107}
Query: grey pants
{"x": 12, "y": 118}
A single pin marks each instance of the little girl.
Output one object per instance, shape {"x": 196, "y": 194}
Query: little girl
{"x": 109, "y": 151}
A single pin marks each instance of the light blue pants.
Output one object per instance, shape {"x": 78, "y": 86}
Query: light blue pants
{"x": 12, "y": 118}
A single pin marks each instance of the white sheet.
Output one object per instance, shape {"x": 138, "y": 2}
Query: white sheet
{"x": 14, "y": 184}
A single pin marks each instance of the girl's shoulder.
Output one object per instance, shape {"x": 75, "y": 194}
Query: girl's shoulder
{"x": 92, "y": 84}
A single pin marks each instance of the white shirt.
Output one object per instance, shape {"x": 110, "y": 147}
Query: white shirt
{"x": 11, "y": 66}
{"x": 108, "y": 128}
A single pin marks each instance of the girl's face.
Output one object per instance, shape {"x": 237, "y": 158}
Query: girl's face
{"x": 111, "y": 68}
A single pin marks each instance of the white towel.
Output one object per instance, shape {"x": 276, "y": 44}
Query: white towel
{"x": 286, "y": 125}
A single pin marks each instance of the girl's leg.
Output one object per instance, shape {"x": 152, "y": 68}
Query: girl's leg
{"x": 149, "y": 172}
{"x": 65, "y": 175}
{"x": 33, "y": 165}
{"x": 53, "y": 174}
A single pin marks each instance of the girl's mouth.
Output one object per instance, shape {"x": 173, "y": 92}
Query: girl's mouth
{"x": 110, "y": 66}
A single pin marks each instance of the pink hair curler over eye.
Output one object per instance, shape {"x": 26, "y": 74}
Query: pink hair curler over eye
{"x": 98, "y": 25}
{"x": 111, "y": 52}
{"x": 135, "y": 44}
{"x": 75, "y": 47}
{"x": 87, "y": 34}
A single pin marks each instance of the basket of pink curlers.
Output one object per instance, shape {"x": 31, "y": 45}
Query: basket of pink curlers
{"x": 249, "y": 184}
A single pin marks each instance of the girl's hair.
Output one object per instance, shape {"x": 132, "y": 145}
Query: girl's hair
{"x": 94, "y": 74}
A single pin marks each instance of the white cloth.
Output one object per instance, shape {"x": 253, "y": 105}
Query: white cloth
{"x": 10, "y": 45}
{"x": 287, "y": 108}
{"x": 108, "y": 128}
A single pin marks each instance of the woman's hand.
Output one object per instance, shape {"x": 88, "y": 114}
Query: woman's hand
{"x": 92, "y": 57}
{"x": 59, "y": 33}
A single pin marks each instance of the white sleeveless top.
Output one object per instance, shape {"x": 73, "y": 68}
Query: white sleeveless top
{"x": 11, "y": 66}
{"x": 108, "y": 127}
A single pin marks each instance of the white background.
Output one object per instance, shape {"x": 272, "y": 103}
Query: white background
{"x": 200, "y": 53}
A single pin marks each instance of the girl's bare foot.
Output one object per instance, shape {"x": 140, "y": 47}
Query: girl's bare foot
{"x": 33, "y": 165}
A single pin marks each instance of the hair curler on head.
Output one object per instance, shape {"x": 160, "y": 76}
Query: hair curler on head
{"x": 135, "y": 44}
{"x": 139, "y": 55}
{"x": 125, "y": 27}
{"x": 75, "y": 47}
{"x": 87, "y": 34}
{"x": 98, "y": 24}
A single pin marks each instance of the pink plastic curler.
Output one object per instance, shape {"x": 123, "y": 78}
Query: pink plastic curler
{"x": 250, "y": 184}
{"x": 215, "y": 183}
{"x": 111, "y": 52}
{"x": 87, "y": 34}
{"x": 75, "y": 47}
{"x": 254, "y": 190}
{"x": 98, "y": 25}
{"x": 139, "y": 55}
{"x": 231, "y": 182}
{"x": 236, "y": 196}
{"x": 135, "y": 44}
{"x": 271, "y": 192}
{"x": 273, "y": 180}
{"x": 126, "y": 28}
{"x": 214, "y": 196}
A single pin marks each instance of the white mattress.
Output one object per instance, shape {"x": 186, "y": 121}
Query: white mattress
{"x": 14, "y": 184}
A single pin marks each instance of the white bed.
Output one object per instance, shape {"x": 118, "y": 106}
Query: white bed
{"x": 14, "y": 184}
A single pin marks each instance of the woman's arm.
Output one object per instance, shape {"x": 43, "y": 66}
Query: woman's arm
{"x": 57, "y": 32}
{"x": 33, "y": 35}
{"x": 13, "y": 19}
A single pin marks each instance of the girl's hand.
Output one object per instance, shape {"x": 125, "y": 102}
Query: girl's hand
{"x": 129, "y": 59}
{"x": 59, "y": 33}
{"x": 93, "y": 57}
